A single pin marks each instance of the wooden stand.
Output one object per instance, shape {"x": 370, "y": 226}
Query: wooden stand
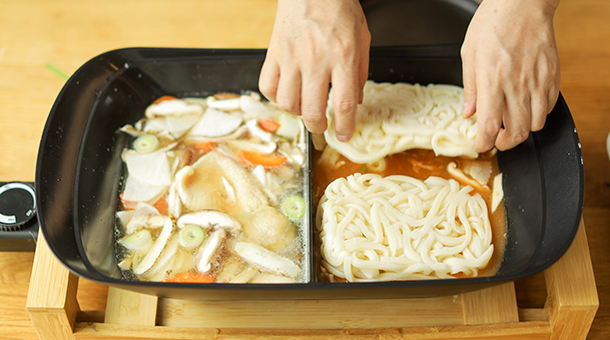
{"x": 486, "y": 314}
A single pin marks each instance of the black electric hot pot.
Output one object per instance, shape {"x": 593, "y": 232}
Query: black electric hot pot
{"x": 78, "y": 174}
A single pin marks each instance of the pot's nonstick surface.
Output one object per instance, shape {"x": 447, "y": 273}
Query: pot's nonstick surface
{"x": 79, "y": 168}
{"x": 417, "y": 22}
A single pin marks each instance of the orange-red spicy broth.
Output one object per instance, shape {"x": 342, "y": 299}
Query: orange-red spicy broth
{"x": 417, "y": 163}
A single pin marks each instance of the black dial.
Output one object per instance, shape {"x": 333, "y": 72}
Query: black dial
{"x": 17, "y": 206}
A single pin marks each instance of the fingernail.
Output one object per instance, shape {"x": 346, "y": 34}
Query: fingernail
{"x": 343, "y": 138}
{"x": 464, "y": 108}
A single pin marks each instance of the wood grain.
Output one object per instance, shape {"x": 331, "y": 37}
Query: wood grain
{"x": 491, "y": 305}
{"x": 67, "y": 33}
{"x": 118, "y": 309}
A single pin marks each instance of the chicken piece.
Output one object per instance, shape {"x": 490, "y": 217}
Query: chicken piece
{"x": 269, "y": 228}
{"x": 201, "y": 188}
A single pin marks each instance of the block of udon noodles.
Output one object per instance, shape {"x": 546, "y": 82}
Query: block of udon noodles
{"x": 375, "y": 228}
{"x": 397, "y": 117}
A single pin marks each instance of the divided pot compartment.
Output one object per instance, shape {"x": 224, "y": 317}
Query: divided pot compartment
{"x": 79, "y": 169}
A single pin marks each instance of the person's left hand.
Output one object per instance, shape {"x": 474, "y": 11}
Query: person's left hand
{"x": 510, "y": 69}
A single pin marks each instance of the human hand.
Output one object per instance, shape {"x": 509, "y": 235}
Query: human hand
{"x": 510, "y": 70}
{"x": 315, "y": 43}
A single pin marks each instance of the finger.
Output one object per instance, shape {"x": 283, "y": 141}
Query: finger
{"x": 363, "y": 76}
{"x": 346, "y": 94}
{"x": 540, "y": 109}
{"x": 553, "y": 96}
{"x": 490, "y": 108}
{"x": 269, "y": 79}
{"x": 314, "y": 99}
{"x": 470, "y": 91}
{"x": 517, "y": 123}
{"x": 363, "y": 71}
{"x": 288, "y": 94}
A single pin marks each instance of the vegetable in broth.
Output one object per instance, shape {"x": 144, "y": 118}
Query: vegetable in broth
{"x": 206, "y": 187}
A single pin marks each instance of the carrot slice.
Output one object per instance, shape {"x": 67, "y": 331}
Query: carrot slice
{"x": 225, "y": 95}
{"x": 161, "y": 206}
{"x": 191, "y": 277}
{"x": 269, "y": 125}
{"x": 128, "y": 205}
{"x": 205, "y": 146}
{"x": 255, "y": 158}
{"x": 163, "y": 98}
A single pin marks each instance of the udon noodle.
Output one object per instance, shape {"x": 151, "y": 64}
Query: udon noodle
{"x": 397, "y": 117}
{"x": 375, "y": 228}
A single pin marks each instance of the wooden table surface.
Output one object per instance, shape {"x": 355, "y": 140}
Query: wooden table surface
{"x": 65, "y": 34}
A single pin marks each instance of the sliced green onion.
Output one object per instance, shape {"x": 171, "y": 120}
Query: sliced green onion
{"x": 146, "y": 144}
{"x": 191, "y": 236}
{"x": 140, "y": 240}
{"x": 377, "y": 166}
{"x": 294, "y": 207}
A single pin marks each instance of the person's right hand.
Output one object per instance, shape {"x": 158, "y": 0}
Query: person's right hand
{"x": 315, "y": 43}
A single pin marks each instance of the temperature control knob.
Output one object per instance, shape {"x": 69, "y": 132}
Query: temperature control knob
{"x": 17, "y": 206}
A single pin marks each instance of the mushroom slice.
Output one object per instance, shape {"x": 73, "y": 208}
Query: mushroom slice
{"x": 205, "y": 253}
{"x": 165, "y": 260}
{"x": 245, "y": 275}
{"x": 295, "y": 155}
{"x": 208, "y": 219}
{"x": 257, "y": 255}
{"x": 156, "y": 249}
{"x": 174, "y": 205}
{"x": 271, "y": 278}
{"x": 144, "y": 216}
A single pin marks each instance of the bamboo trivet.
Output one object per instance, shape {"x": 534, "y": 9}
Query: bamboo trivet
{"x": 490, "y": 313}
